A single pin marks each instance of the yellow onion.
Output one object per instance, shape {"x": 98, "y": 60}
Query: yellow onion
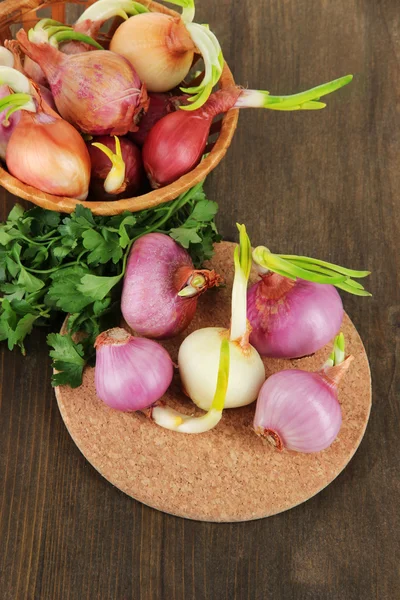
{"x": 158, "y": 46}
{"x": 48, "y": 153}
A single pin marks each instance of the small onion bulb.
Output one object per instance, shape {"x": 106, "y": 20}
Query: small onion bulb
{"x": 131, "y": 373}
{"x": 198, "y": 368}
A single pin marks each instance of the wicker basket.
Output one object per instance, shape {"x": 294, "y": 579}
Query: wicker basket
{"x": 24, "y": 13}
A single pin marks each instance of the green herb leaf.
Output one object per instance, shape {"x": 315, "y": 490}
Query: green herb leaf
{"x": 64, "y": 290}
{"x": 29, "y": 281}
{"x": 104, "y": 246}
{"x": 185, "y": 236}
{"x": 96, "y": 287}
{"x": 16, "y": 213}
{"x": 68, "y": 358}
{"x": 22, "y": 329}
{"x": 204, "y": 211}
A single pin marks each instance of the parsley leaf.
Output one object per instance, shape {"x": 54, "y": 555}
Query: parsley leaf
{"x": 96, "y": 287}
{"x": 184, "y": 236}
{"x": 29, "y": 281}
{"x": 68, "y": 359}
{"x": 63, "y": 290}
{"x": 104, "y": 246}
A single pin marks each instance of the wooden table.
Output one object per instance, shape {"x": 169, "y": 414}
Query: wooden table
{"x": 323, "y": 184}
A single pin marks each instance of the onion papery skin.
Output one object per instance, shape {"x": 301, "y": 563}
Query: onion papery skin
{"x": 177, "y": 142}
{"x": 290, "y": 319}
{"x": 158, "y": 46}
{"x": 160, "y": 105}
{"x": 35, "y": 72}
{"x": 131, "y": 374}
{"x": 47, "y": 96}
{"x": 101, "y": 165}
{"x": 48, "y": 153}
{"x": 6, "y": 127}
{"x": 98, "y": 92}
{"x": 298, "y": 411}
{"x": 156, "y": 271}
{"x": 198, "y": 367}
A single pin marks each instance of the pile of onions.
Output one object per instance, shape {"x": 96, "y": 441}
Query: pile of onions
{"x": 183, "y": 135}
{"x": 161, "y": 287}
{"x": 298, "y": 410}
{"x": 116, "y": 167}
{"x": 98, "y": 92}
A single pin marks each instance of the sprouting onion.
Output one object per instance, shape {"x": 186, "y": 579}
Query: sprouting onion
{"x": 294, "y": 310}
{"x": 43, "y": 150}
{"x": 161, "y": 49}
{"x": 298, "y": 410}
{"x": 199, "y": 352}
{"x": 102, "y": 10}
{"x": 162, "y": 287}
{"x": 55, "y": 33}
{"x": 171, "y": 419}
{"x": 177, "y": 142}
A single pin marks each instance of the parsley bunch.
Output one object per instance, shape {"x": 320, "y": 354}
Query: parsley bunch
{"x": 52, "y": 263}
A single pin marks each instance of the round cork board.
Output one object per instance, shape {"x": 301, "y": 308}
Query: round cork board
{"x": 227, "y": 474}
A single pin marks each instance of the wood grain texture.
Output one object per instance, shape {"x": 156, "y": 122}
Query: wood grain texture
{"x": 324, "y": 184}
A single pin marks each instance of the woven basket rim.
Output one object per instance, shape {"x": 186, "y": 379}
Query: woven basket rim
{"x": 12, "y": 11}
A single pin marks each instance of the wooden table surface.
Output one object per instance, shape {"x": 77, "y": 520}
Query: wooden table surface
{"x": 323, "y": 184}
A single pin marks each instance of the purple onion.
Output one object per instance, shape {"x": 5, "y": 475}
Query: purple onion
{"x": 159, "y": 106}
{"x": 98, "y": 92}
{"x": 131, "y": 373}
{"x": 161, "y": 287}
{"x": 300, "y": 411}
{"x": 290, "y": 319}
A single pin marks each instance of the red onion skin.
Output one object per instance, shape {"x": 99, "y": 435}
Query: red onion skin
{"x": 177, "y": 142}
{"x": 290, "y": 319}
{"x": 160, "y": 105}
{"x": 98, "y": 92}
{"x": 6, "y": 127}
{"x": 133, "y": 375}
{"x": 157, "y": 269}
{"x": 298, "y": 411}
{"x": 101, "y": 165}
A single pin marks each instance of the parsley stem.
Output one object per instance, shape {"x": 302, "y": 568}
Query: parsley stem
{"x": 56, "y": 268}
